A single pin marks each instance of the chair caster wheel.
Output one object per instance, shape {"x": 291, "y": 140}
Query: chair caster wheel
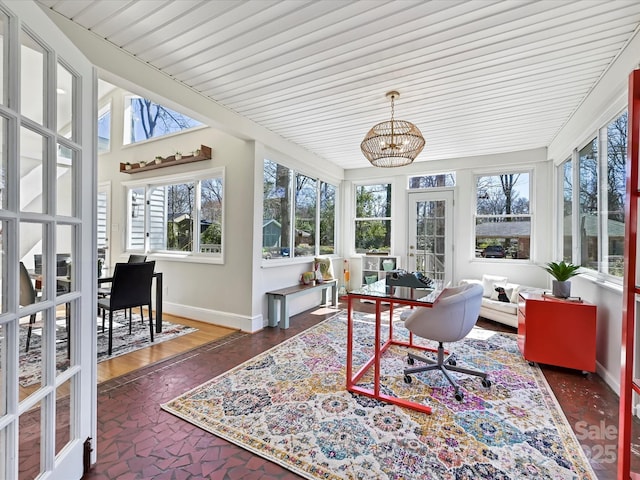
{"x": 459, "y": 396}
{"x": 410, "y": 361}
{"x": 407, "y": 379}
{"x": 452, "y": 361}
{"x": 486, "y": 383}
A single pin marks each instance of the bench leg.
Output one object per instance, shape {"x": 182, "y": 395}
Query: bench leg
{"x": 334, "y": 294}
{"x": 271, "y": 311}
{"x": 284, "y": 313}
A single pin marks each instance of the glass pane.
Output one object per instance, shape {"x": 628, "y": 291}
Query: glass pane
{"x": 65, "y": 95}
{"x": 430, "y": 238}
{"x": 3, "y": 269}
{"x": 588, "y": 208}
{"x": 62, "y": 338}
{"x": 616, "y": 191}
{"x": 30, "y": 363}
{"x": 135, "y": 215}
{"x": 3, "y": 378}
{"x": 65, "y": 278}
{"x": 3, "y": 27}
{"x": 3, "y": 162}
{"x": 276, "y": 218}
{"x": 31, "y": 238}
{"x": 503, "y": 237}
{"x": 171, "y": 217}
{"x": 65, "y": 173}
{"x": 63, "y": 423}
{"x": 30, "y": 442}
{"x": 503, "y": 194}
{"x": 567, "y": 195}
{"x": 327, "y": 218}
{"x": 104, "y": 130}
{"x": 432, "y": 181}
{"x": 31, "y": 78}
{"x": 373, "y": 236}
{"x": 373, "y": 201}
{"x": 145, "y": 119}
{"x": 211, "y": 215}
{"x": 305, "y": 215}
{"x": 31, "y": 171}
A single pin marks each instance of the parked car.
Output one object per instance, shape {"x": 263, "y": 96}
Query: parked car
{"x": 494, "y": 251}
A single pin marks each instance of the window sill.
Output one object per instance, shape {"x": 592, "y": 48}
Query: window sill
{"x": 189, "y": 258}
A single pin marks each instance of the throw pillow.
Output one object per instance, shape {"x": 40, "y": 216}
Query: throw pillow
{"x": 488, "y": 282}
{"x": 325, "y": 267}
{"x": 501, "y": 293}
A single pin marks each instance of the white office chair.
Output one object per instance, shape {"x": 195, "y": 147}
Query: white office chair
{"x": 450, "y": 319}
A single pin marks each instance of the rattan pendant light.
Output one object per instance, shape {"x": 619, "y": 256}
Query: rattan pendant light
{"x": 394, "y": 143}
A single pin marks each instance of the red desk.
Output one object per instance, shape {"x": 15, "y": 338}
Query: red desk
{"x": 379, "y": 293}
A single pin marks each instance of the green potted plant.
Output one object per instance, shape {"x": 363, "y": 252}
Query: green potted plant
{"x": 178, "y": 155}
{"x": 561, "y": 272}
{"x": 158, "y": 159}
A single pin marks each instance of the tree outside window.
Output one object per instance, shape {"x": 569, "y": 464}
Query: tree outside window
{"x": 373, "y": 218}
{"x": 503, "y": 219}
{"x": 145, "y": 119}
{"x": 312, "y": 214}
{"x": 588, "y": 205}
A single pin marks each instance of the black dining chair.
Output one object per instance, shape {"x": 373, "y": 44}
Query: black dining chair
{"x": 131, "y": 287}
{"x": 106, "y": 291}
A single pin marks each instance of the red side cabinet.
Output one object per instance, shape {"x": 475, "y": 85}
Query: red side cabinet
{"x": 557, "y": 332}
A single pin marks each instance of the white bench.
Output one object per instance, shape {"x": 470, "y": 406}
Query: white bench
{"x": 283, "y": 295}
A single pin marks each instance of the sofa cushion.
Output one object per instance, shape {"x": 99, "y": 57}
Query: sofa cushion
{"x": 508, "y": 291}
{"x": 488, "y": 282}
{"x": 505, "y": 307}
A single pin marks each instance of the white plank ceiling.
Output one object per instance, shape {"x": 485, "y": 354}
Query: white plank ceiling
{"x": 477, "y": 77}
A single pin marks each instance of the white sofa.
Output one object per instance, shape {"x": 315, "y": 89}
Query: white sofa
{"x": 497, "y": 310}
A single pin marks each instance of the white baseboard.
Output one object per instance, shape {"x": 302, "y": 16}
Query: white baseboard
{"x": 215, "y": 317}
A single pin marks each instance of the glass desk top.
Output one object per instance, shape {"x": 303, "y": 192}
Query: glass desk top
{"x": 380, "y": 290}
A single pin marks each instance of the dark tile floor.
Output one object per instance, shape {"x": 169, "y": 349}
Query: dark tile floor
{"x": 137, "y": 440}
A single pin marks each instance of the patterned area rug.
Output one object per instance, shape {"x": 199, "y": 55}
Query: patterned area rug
{"x": 123, "y": 342}
{"x": 290, "y": 405}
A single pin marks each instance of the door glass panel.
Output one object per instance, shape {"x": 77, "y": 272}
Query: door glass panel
{"x": 62, "y": 338}
{"x": 65, "y": 173}
{"x": 3, "y": 90}
{"x": 31, "y": 171}
{"x": 30, "y": 367}
{"x": 3, "y": 378}
{"x": 3, "y": 269}
{"x": 64, "y": 96}
{"x": 3, "y": 163}
{"x": 64, "y": 262}
{"x": 63, "y": 424}
{"x": 31, "y": 78}
{"x": 30, "y": 442}
{"x": 430, "y": 238}
{"x": 31, "y": 238}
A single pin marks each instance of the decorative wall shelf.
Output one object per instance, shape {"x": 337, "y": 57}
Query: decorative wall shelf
{"x": 205, "y": 154}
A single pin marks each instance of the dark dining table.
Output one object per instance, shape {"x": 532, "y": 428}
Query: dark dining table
{"x": 158, "y": 278}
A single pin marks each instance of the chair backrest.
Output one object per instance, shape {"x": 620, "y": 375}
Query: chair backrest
{"x": 27, "y": 290}
{"x": 452, "y": 316}
{"x": 131, "y": 285}
{"x": 137, "y": 258}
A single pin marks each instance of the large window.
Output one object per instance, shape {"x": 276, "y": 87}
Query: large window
{"x": 373, "y": 218}
{"x": 599, "y": 231}
{"x": 503, "y": 216}
{"x": 567, "y": 203}
{"x": 104, "y": 129}
{"x": 177, "y": 215}
{"x": 145, "y": 119}
{"x": 302, "y": 227}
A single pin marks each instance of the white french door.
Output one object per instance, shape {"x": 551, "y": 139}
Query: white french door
{"x": 47, "y": 222}
{"x": 430, "y": 234}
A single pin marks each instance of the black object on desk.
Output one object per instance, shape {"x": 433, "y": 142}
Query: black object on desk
{"x": 402, "y": 278}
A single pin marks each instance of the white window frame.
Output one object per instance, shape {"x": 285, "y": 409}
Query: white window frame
{"x": 147, "y": 184}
